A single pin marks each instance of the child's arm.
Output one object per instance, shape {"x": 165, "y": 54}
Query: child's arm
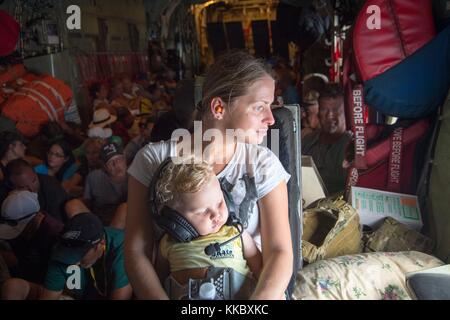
{"x": 252, "y": 254}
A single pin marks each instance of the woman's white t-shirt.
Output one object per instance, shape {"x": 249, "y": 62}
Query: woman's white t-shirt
{"x": 249, "y": 159}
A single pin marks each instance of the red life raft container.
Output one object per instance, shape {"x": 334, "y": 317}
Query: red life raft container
{"x": 37, "y": 102}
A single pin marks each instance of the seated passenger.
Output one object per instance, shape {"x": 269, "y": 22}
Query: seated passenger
{"x": 90, "y": 156}
{"x": 100, "y": 127}
{"x": 106, "y": 189}
{"x": 327, "y": 146}
{"x": 60, "y": 163}
{"x": 191, "y": 192}
{"x": 51, "y": 195}
{"x": 86, "y": 250}
{"x": 96, "y": 249}
{"x": 31, "y": 233}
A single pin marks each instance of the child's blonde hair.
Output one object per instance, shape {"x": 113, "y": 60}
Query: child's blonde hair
{"x": 189, "y": 176}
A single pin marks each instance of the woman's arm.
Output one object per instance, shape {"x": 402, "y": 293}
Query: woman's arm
{"x": 276, "y": 245}
{"x": 252, "y": 254}
{"x": 139, "y": 244}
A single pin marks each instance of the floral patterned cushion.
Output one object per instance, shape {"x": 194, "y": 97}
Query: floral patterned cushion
{"x": 367, "y": 276}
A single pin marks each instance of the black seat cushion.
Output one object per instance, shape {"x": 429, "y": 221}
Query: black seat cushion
{"x": 284, "y": 123}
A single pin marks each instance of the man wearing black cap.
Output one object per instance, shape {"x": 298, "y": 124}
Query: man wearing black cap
{"x": 88, "y": 262}
{"x": 106, "y": 189}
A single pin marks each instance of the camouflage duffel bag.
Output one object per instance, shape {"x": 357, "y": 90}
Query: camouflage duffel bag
{"x": 331, "y": 229}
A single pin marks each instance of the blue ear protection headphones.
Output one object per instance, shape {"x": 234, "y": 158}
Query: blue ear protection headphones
{"x": 172, "y": 222}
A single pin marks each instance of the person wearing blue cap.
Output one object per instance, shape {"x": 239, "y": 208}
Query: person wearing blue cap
{"x": 87, "y": 262}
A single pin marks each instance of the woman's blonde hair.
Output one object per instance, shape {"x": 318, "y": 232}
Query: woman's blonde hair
{"x": 230, "y": 77}
{"x": 189, "y": 176}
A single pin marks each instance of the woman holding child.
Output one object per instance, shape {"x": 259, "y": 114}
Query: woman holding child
{"x": 237, "y": 93}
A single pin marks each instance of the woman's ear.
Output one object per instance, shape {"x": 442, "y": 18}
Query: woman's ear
{"x": 217, "y": 108}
